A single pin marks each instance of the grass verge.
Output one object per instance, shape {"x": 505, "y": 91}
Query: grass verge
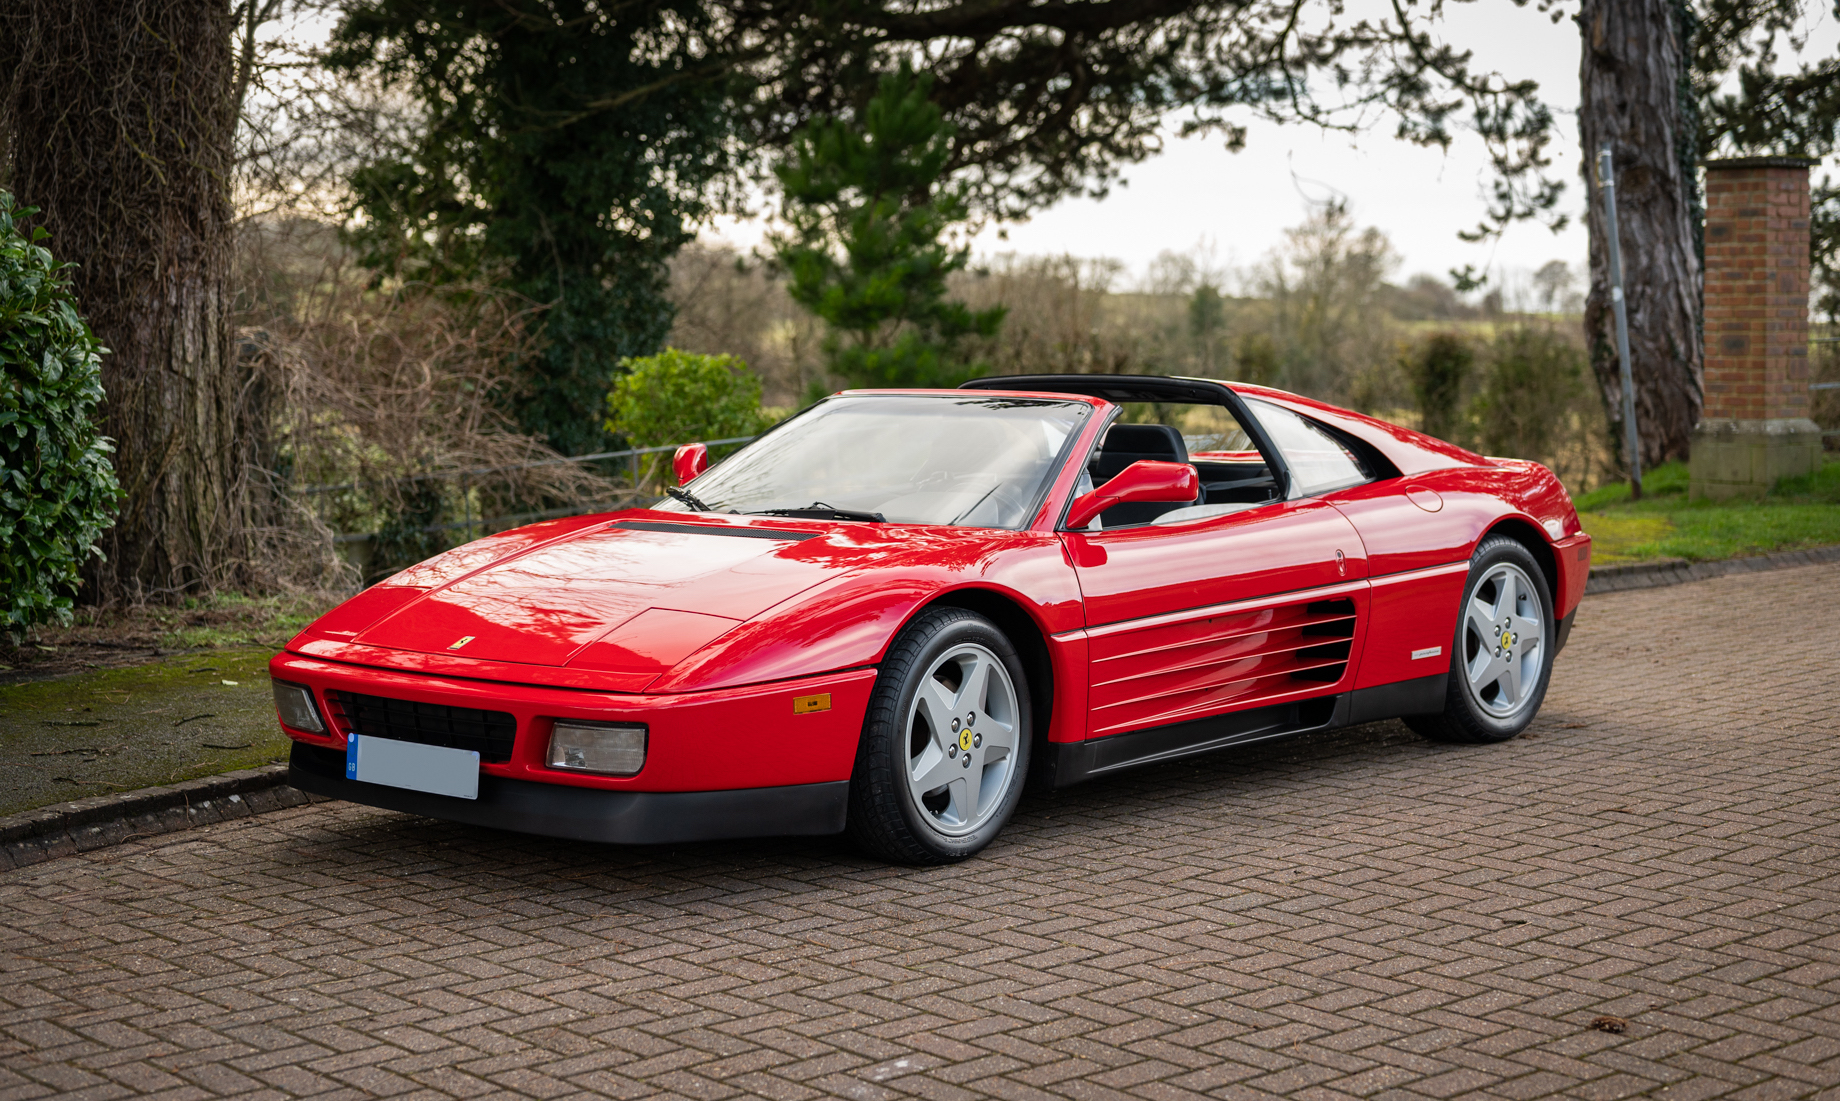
{"x": 113, "y": 730}
{"x": 1798, "y": 512}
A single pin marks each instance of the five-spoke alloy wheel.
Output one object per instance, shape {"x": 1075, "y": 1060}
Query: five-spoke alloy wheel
{"x": 946, "y": 744}
{"x": 961, "y": 739}
{"x": 1503, "y": 648}
{"x": 1504, "y": 632}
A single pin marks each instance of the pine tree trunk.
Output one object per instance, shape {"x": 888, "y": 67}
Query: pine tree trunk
{"x": 123, "y": 128}
{"x": 1633, "y": 98}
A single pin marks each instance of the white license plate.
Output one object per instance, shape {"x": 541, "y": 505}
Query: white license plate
{"x": 430, "y": 768}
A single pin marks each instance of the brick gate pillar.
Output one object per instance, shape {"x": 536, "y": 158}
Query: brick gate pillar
{"x": 1754, "y": 427}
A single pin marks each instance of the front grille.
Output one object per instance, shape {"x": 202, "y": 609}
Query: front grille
{"x": 489, "y": 733}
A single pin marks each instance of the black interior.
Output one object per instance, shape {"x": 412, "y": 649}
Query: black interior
{"x": 1221, "y": 482}
{"x": 1236, "y": 483}
{"x": 1125, "y": 444}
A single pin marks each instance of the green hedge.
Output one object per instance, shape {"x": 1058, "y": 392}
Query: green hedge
{"x": 57, "y": 489}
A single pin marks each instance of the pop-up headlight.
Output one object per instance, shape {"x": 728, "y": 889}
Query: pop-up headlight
{"x": 610, "y": 749}
{"x": 294, "y": 706}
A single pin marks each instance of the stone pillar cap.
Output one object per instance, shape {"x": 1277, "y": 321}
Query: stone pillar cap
{"x": 1772, "y": 161}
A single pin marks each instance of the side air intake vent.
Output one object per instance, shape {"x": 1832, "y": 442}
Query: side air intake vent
{"x": 1170, "y": 672}
{"x": 1325, "y": 663}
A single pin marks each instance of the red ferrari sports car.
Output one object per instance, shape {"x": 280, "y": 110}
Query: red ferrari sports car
{"x": 891, "y": 611}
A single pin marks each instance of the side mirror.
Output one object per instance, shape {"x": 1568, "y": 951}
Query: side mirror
{"x": 1147, "y": 480}
{"x": 690, "y": 460}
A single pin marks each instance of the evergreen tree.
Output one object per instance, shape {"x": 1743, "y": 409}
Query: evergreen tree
{"x": 1795, "y": 113}
{"x": 867, "y": 213}
{"x": 570, "y": 146}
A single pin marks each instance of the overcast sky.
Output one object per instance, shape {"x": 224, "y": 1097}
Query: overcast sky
{"x": 1238, "y": 204}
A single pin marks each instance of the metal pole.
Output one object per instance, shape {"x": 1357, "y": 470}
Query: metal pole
{"x": 1632, "y": 442}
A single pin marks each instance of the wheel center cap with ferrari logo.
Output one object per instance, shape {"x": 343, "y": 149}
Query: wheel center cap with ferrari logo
{"x": 965, "y": 741}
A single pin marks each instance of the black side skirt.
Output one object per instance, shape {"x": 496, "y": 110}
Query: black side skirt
{"x": 1073, "y": 762}
{"x": 589, "y": 814}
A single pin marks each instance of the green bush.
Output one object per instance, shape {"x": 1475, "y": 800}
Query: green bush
{"x": 680, "y": 397}
{"x": 1437, "y": 371}
{"x": 57, "y": 489}
{"x": 1532, "y": 379}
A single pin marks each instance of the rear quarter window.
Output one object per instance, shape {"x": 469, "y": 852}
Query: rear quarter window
{"x": 1318, "y": 461}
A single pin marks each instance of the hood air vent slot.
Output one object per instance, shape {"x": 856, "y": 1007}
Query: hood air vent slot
{"x": 716, "y": 529}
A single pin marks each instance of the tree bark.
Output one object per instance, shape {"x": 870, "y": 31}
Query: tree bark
{"x": 1633, "y": 97}
{"x": 122, "y": 136}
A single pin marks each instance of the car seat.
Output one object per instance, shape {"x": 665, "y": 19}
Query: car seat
{"x": 1125, "y": 444}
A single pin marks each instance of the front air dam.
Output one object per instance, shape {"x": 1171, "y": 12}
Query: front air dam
{"x": 591, "y": 814}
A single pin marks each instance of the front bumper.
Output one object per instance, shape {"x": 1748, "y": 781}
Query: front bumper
{"x": 716, "y": 740}
{"x": 590, "y": 814}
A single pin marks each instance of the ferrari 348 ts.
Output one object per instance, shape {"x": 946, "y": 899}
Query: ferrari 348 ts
{"x": 898, "y": 607}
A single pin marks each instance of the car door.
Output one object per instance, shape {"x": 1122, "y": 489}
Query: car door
{"x": 1198, "y": 618}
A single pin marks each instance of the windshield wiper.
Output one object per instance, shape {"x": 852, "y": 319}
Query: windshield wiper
{"x": 818, "y": 510}
{"x": 688, "y": 498}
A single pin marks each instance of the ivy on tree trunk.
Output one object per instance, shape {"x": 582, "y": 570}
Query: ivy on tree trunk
{"x": 1635, "y": 98}
{"x": 122, "y": 125}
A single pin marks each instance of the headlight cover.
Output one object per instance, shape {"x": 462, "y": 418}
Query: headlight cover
{"x": 606, "y": 749}
{"x": 294, "y": 706}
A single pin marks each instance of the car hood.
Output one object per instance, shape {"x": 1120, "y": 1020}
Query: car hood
{"x": 675, "y": 586}
{"x": 665, "y": 602}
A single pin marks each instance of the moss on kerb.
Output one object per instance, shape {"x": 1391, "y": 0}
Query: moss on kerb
{"x": 119, "y": 729}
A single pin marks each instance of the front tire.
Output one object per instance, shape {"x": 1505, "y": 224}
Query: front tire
{"x": 945, "y": 746}
{"x": 1501, "y": 661}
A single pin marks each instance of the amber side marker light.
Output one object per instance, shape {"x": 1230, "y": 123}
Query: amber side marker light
{"x": 607, "y": 749}
{"x": 805, "y": 705}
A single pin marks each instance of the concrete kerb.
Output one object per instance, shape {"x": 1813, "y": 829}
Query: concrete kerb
{"x": 103, "y": 820}
{"x": 1676, "y": 571}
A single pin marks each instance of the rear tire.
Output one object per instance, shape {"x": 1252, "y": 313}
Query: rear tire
{"x": 945, "y": 745}
{"x": 1501, "y": 658}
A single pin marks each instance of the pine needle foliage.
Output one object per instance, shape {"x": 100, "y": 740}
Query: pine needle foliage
{"x": 868, "y": 215}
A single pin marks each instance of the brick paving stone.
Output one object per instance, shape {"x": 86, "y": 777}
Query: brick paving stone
{"x": 1353, "y": 915}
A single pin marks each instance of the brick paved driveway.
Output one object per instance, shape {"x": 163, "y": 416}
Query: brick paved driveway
{"x": 1355, "y": 915}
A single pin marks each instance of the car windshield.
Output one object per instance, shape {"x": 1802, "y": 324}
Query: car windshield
{"x": 956, "y": 458}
